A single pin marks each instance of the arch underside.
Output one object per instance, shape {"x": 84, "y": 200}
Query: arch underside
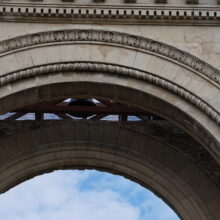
{"x": 193, "y": 149}
{"x": 182, "y": 166}
{"x": 134, "y": 150}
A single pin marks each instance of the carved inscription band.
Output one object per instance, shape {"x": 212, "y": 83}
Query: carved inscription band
{"x": 123, "y": 39}
{"x": 114, "y": 69}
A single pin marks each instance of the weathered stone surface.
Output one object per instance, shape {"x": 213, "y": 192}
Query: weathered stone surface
{"x": 49, "y": 145}
{"x": 108, "y": 50}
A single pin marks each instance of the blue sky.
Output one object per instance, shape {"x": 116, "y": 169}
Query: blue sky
{"x": 82, "y": 195}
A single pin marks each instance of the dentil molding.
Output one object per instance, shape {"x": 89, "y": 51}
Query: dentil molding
{"x": 113, "y": 14}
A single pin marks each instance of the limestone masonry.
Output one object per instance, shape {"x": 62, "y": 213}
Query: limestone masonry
{"x": 155, "y": 60}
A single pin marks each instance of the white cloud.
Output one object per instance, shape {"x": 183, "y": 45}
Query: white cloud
{"x": 77, "y": 195}
{"x": 154, "y": 207}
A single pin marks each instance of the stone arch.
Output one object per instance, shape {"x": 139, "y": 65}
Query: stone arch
{"x": 110, "y": 37}
{"x": 202, "y": 118}
{"x": 114, "y": 66}
{"x": 104, "y": 146}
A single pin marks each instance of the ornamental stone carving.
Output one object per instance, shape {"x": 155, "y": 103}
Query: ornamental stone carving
{"x": 122, "y": 39}
{"x": 115, "y": 12}
{"x": 114, "y": 69}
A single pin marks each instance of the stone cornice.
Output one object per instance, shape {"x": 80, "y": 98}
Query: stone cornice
{"x": 64, "y": 13}
{"x": 78, "y": 67}
{"x": 123, "y": 39}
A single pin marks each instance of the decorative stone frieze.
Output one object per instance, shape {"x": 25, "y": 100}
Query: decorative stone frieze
{"x": 117, "y": 70}
{"x": 122, "y": 39}
{"x": 120, "y": 14}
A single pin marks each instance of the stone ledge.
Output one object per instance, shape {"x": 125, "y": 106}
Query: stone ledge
{"x": 110, "y": 14}
{"x": 121, "y": 2}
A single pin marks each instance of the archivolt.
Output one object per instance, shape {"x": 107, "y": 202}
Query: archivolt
{"x": 115, "y": 69}
{"x": 111, "y": 37}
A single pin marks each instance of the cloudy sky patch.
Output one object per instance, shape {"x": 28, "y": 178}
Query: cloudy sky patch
{"x": 82, "y": 195}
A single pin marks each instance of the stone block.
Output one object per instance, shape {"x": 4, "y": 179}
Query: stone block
{"x": 192, "y": 1}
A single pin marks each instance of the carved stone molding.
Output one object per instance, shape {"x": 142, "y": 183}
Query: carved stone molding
{"x": 137, "y": 14}
{"x": 111, "y": 37}
{"x": 114, "y": 69}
